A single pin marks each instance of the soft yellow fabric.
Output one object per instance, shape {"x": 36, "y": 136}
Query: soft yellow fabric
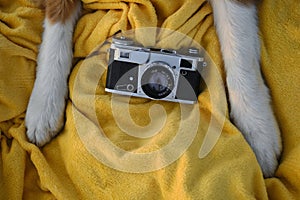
{"x": 65, "y": 169}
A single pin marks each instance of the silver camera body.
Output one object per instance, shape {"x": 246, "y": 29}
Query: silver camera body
{"x": 158, "y": 74}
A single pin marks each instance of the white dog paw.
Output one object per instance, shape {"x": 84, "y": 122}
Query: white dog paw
{"x": 267, "y": 154}
{"x": 44, "y": 117}
{"x": 263, "y": 135}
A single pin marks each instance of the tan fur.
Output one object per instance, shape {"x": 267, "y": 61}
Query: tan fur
{"x": 60, "y": 10}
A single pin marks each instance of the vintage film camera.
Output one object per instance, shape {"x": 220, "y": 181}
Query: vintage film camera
{"x": 153, "y": 73}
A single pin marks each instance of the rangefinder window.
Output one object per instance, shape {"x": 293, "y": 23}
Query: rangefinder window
{"x": 186, "y": 63}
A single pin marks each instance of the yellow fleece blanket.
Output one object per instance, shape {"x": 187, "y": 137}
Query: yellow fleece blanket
{"x": 77, "y": 165}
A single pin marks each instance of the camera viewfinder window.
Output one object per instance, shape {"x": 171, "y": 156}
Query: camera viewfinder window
{"x": 124, "y": 54}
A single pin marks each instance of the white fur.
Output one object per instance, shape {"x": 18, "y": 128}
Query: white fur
{"x": 45, "y": 112}
{"x": 237, "y": 30}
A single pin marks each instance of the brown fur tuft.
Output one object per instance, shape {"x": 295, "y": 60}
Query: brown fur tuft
{"x": 60, "y": 10}
{"x": 39, "y": 3}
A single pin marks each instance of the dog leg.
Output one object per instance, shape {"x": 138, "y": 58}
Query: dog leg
{"x": 236, "y": 25}
{"x": 45, "y": 112}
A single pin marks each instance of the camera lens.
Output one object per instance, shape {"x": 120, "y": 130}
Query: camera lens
{"x": 157, "y": 80}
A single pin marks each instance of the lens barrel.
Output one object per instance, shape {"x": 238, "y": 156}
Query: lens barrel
{"x": 157, "y": 80}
